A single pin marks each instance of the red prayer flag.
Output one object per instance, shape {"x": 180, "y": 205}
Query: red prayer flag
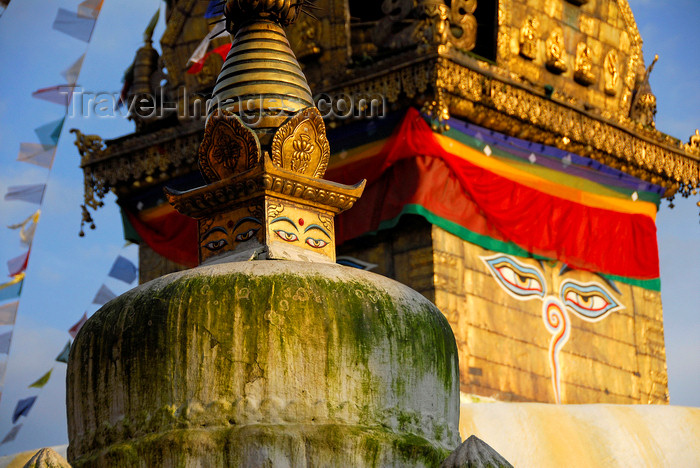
{"x": 199, "y": 64}
{"x": 76, "y": 328}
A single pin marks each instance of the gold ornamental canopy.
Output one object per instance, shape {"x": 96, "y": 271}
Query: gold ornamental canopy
{"x": 264, "y": 151}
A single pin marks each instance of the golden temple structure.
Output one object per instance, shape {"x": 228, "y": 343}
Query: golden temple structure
{"x": 560, "y": 80}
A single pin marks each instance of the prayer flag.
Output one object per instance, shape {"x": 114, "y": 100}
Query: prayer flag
{"x": 123, "y": 269}
{"x": 8, "y": 313}
{"x": 71, "y": 73}
{"x": 35, "y": 153}
{"x": 90, "y": 8}
{"x": 11, "y": 435}
{"x": 12, "y": 288}
{"x": 214, "y": 9}
{"x": 23, "y": 407}
{"x": 5, "y": 340}
{"x": 42, "y": 380}
{"x": 3, "y": 368}
{"x": 203, "y": 46}
{"x": 63, "y": 356}
{"x": 103, "y": 296}
{"x": 27, "y": 228}
{"x": 60, "y": 94}
{"x": 74, "y": 25}
{"x": 148, "y": 32}
{"x": 49, "y": 133}
{"x": 79, "y": 324}
{"x": 18, "y": 264}
{"x": 199, "y": 66}
{"x": 29, "y": 193}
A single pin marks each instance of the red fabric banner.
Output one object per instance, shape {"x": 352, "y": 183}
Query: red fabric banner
{"x": 584, "y": 237}
{"x": 170, "y": 234}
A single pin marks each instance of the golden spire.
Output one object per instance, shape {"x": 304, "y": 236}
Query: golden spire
{"x": 264, "y": 151}
{"x": 261, "y": 80}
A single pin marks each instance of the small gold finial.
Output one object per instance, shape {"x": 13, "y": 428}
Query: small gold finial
{"x": 264, "y": 151}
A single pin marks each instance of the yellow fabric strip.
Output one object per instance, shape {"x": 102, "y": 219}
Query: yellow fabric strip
{"x": 15, "y": 279}
{"x": 368, "y": 150}
{"x": 528, "y": 179}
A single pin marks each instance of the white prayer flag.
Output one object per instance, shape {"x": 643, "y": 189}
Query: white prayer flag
{"x": 29, "y": 193}
{"x": 203, "y": 46}
{"x": 71, "y": 73}
{"x": 8, "y": 313}
{"x": 74, "y": 25}
{"x": 5, "y": 340}
{"x": 103, "y": 296}
{"x": 36, "y": 153}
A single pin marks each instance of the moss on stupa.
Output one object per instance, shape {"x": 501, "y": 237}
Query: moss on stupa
{"x": 237, "y": 360}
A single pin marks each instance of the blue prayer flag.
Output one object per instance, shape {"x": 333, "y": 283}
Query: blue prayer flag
{"x": 63, "y": 357}
{"x": 123, "y": 269}
{"x": 23, "y": 407}
{"x": 215, "y": 8}
{"x": 10, "y": 292}
{"x": 11, "y": 435}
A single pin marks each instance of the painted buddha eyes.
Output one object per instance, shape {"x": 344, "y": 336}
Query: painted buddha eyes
{"x": 521, "y": 281}
{"x": 589, "y": 300}
{"x": 287, "y": 236}
{"x": 220, "y": 237}
{"x": 316, "y": 243}
{"x": 216, "y": 245}
{"x": 246, "y": 235}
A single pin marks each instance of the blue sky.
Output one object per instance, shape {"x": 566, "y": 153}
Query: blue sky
{"x": 65, "y": 271}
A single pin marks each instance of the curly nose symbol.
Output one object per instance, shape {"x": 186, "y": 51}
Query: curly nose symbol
{"x": 556, "y": 320}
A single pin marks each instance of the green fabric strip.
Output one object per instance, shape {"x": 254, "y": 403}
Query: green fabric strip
{"x": 130, "y": 233}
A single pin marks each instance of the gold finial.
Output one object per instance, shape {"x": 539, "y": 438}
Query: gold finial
{"x": 264, "y": 151}
{"x": 261, "y": 80}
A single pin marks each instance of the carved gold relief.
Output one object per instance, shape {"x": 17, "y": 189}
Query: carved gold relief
{"x": 301, "y": 146}
{"x": 694, "y": 141}
{"x": 463, "y": 24}
{"x": 584, "y": 64}
{"x": 612, "y": 75}
{"x": 228, "y": 147}
{"x": 556, "y": 52}
{"x": 90, "y": 147}
{"x": 529, "y": 38}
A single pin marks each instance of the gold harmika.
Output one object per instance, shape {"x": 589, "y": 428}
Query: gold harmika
{"x": 265, "y": 198}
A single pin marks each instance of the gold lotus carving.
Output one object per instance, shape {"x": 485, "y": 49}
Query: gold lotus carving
{"x": 301, "y": 146}
{"x": 228, "y": 147}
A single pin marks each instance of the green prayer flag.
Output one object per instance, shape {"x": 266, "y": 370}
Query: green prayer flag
{"x": 49, "y": 133}
{"x": 63, "y": 356}
{"x": 42, "y": 381}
